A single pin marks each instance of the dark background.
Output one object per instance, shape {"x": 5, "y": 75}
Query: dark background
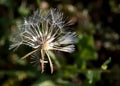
{"x": 96, "y": 60}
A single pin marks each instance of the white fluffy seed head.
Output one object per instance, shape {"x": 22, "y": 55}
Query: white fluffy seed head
{"x": 44, "y": 31}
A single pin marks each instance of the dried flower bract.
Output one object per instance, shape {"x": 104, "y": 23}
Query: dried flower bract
{"x": 44, "y": 32}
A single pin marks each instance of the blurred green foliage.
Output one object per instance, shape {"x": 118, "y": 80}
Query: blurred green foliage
{"x": 96, "y": 59}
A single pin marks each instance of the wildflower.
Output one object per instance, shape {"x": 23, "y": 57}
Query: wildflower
{"x": 44, "y": 32}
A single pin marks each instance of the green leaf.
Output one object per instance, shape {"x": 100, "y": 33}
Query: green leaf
{"x": 105, "y": 64}
{"x": 93, "y": 75}
{"x": 23, "y": 11}
{"x": 45, "y": 83}
{"x": 86, "y": 47}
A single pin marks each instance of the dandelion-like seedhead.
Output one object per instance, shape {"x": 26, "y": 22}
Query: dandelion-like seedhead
{"x": 44, "y": 32}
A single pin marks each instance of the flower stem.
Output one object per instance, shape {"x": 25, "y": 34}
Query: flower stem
{"x": 29, "y": 53}
{"x": 42, "y": 62}
{"x": 51, "y": 65}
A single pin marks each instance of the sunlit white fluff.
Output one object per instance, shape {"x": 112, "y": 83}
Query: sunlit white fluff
{"x": 43, "y": 31}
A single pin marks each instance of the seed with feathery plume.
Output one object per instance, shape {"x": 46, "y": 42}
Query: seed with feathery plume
{"x": 44, "y": 32}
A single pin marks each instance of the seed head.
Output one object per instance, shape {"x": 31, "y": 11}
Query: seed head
{"x": 44, "y": 32}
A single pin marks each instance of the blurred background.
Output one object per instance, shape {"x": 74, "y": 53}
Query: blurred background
{"x": 96, "y": 60}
